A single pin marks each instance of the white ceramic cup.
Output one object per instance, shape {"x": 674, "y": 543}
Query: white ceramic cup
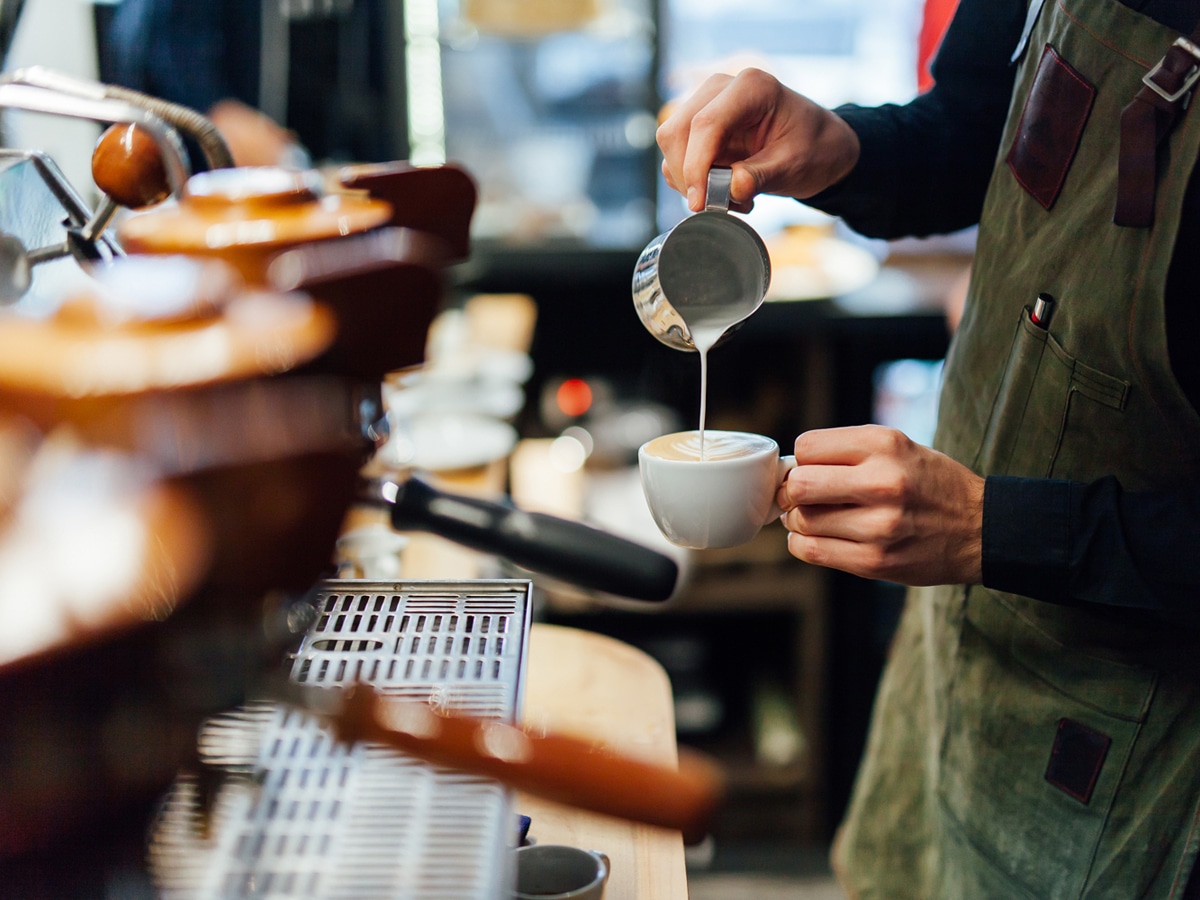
{"x": 721, "y": 500}
{"x": 556, "y": 872}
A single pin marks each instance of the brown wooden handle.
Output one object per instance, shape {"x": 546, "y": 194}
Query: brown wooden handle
{"x": 556, "y": 767}
{"x": 127, "y": 166}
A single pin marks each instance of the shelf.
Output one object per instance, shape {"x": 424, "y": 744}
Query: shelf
{"x": 764, "y": 801}
{"x": 749, "y": 587}
{"x": 746, "y": 774}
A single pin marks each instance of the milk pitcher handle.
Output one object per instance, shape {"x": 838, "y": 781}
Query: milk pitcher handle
{"x": 716, "y": 198}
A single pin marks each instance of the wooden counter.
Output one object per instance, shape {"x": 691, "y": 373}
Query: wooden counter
{"x": 591, "y": 686}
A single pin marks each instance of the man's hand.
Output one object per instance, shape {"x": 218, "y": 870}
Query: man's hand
{"x": 870, "y": 501}
{"x": 776, "y": 140}
{"x": 253, "y": 138}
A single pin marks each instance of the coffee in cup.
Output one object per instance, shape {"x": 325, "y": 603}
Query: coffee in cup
{"x": 712, "y": 488}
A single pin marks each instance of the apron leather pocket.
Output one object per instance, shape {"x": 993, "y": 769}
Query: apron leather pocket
{"x": 1049, "y": 405}
{"x": 1014, "y": 829}
{"x": 1051, "y": 126}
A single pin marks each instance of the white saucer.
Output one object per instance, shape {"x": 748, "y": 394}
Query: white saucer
{"x": 819, "y": 268}
{"x": 444, "y": 441}
{"x": 495, "y": 399}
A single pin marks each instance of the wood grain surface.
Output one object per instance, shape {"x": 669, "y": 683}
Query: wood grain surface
{"x": 594, "y": 687}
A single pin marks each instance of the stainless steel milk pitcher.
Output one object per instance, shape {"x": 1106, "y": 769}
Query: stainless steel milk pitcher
{"x": 711, "y": 271}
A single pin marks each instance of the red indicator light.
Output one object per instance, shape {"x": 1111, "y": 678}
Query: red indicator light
{"x": 574, "y": 397}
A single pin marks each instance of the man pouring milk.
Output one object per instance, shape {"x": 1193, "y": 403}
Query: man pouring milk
{"x": 1037, "y": 727}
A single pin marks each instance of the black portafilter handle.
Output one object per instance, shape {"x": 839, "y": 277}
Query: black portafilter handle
{"x": 569, "y": 551}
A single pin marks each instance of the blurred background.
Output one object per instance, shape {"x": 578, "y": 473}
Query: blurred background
{"x": 537, "y": 379}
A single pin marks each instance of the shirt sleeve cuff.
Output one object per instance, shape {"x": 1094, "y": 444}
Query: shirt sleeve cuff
{"x": 1027, "y": 536}
{"x": 859, "y": 197}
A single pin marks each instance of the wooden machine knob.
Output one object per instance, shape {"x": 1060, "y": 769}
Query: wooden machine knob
{"x": 127, "y": 166}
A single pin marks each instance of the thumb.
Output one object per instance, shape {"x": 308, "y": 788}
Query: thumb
{"x": 746, "y": 182}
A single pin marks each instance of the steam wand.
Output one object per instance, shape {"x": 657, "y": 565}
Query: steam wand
{"x": 563, "y": 549}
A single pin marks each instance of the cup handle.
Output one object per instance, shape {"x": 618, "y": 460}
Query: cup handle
{"x": 607, "y": 864}
{"x": 786, "y": 464}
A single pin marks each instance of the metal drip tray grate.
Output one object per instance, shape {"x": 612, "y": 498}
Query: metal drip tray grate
{"x": 304, "y": 816}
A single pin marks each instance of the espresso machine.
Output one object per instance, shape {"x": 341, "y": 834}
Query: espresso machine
{"x": 195, "y": 705}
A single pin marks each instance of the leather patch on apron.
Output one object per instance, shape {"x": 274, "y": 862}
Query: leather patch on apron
{"x": 1076, "y": 759}
{"x": 1051, "y": 126}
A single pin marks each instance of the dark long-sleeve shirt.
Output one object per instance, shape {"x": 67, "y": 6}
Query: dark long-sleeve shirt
{"x": 924, "y": 169}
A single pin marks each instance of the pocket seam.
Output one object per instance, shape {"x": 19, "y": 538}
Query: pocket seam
{"x": 1093, "y": 383}
{"x": 1050, "y": 639}
{"x": 1024, "y": 326}
{"x": 964, "y": 833}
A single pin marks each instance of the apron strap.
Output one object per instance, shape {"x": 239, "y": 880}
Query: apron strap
{"x": 1031, "y": 17}
{"x": 1146, "y": 122}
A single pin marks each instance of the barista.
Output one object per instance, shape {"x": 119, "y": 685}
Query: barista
{"x": 1037, "y": 726}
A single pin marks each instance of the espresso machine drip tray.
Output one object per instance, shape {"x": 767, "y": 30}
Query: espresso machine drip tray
{"x": 296, "y": 814}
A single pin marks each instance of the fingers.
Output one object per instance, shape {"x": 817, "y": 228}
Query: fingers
{"x": 864, "y": 560}
{"x": 721, "y": 124}
{"x": 848, "y": 446}
{"x": 883, "y": 524}
{"x": 811, "y": 485}
{"x": 870, "y": 501}
{"x": 674, "y": 137}
{"x": 717, "y": 136}
{"x": 873, "y": 544}
{"x": 776, "y": 140}
{"x": 865, "y": 465}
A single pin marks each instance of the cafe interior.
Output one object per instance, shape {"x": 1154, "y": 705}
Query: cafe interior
{"x": 326, "y": 567}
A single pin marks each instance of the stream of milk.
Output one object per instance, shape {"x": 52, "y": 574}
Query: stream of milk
{"x": 704, "y": 336}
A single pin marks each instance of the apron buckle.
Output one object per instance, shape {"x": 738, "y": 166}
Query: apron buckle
{"x": 1150, "y": 79}
{"x": 1145, "y": 123}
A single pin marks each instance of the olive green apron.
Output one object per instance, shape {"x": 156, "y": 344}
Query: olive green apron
{"x": 1020, "y": 748}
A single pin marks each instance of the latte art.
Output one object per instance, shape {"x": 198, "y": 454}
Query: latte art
{"x": 713, "y": 446}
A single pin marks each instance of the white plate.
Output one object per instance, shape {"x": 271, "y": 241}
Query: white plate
{"x": 504, "y": 365}
{"x": 820, "y": 268}
{"x": 441, "y": 442}
{"x": 496, "y": 399}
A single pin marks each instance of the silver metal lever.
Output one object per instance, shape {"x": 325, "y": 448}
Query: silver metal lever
{"x": 16, "y": 95}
